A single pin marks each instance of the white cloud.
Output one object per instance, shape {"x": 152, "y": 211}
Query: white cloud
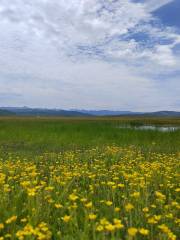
{"x": 87, "y": 25}
{"x": 153, "y": 5}
{"x": 79, "y": 21}
{"x": 82, "y": 53}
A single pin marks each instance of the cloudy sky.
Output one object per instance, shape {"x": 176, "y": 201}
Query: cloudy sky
{"x": 90, "y": 54}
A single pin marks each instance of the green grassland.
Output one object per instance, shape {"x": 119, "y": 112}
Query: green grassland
{"x": 35, "y": 135}
{"x": 88, "y": 178}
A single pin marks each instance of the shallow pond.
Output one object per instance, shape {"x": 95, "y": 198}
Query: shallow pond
{"x": 152, "y": 127}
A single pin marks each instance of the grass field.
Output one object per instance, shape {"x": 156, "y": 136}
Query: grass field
{"x": 30, "y": 135}
{"x": 64, "y": 178}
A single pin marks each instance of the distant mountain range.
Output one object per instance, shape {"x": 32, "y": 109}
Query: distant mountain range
{"x": 163, "y": 114}
{"x": 25, "y": 111}
{"x": 129, "y": 113}
{"x": 105, "y": 112}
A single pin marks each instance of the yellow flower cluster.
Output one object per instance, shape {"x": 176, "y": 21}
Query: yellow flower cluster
{"x": 100, "y": 193}
{"x": 105, "y": 225}
{"x": 41, "y": 232}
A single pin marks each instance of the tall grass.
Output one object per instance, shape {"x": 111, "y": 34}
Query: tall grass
{"x": 82, "y": 179}
{"x": 39, "y": 135}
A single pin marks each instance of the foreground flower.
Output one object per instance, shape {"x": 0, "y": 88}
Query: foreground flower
{"x": 109, "y": 227}
{"x": 92, "y": 216}
{"x": 41, "y": 232}
{"x": 118, "y": 224}
{"x": 144, "y": 231}
{"x": 121, "y": 185}
{"x": 108, "y": 203}
{"x": 129, "y": 207}
{"x": 135, "y": 194}
{"x": 58, "y": 205}
{"x": 1, "y": 226}
{"x": 117, "y": 209}
{"x": 11, "y": 219}
{"x": 88, "y": 205}
{"x": 132, "y": 231}
{"x": 73, "y": 197}
{"x": 66, "y": 218}
{"x": 160, "y": 196}
{"x": 99, "y": 228}
{"x": 163, "y": 228}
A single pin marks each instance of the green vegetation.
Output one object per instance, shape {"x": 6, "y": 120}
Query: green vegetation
{"x": 82, "y": 179}
{"x": 36, "y": 135}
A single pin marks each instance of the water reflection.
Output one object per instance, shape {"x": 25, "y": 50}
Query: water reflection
{"x": 155, "y": 128}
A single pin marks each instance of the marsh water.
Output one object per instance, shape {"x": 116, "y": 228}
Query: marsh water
{"x": 153, "y": 127}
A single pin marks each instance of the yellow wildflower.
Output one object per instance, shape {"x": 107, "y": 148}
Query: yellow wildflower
{"x": 172, "y": 236}
{"x": 121, "y": 185}
{"x": 153, "y": 205}
{"x": 92, "y": 216}
{"x": 152, "y": 220}
{"x": 160, "y": 196}
{"x": 177, "y": 190}
{"x": 49, "y": 188}
{"x": 110, "y": 183}
{"x": 132, "y": 231}
{"x": 73, "y": 197}
{"x": 58, "y": 205}
{"x": 83, "y": 200}
{"x": 23, "y": 220}
{"x": 109, "y": 227}
{"x": 108, "y": 203}
{"x": 99, "y": 228}
{"x": 135, "y": 194}
{"x": 164, "y": 228}
{"x": 129, "y": 207}
{"x": 117, "y": 223}
{"x": 157, "y": 217}
{"x": 88, "y": 205}
{"x": 104, "y": 221}
{"x": 31, "y": 192}
{"x": 1, "y": 226}
{"x": 117, "y": 209}
{"x": 66, "y": 218}
{"x": 146, "y": 209}
{"x": 11, "y": 219}
{"x": 144, "y": 231}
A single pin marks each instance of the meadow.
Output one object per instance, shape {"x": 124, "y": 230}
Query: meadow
{"x": 87, "y": 178}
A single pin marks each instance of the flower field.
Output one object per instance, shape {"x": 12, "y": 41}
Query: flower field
{"x": 110, "y": 192}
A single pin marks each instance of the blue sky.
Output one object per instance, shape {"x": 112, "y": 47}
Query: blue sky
{"x": 90, "y": 54}
{"x": 169, "y": 14}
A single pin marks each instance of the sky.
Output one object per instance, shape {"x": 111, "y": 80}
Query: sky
{"x": 90, "y": 54}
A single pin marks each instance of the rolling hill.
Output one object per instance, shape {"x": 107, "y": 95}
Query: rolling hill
{"x": 42, "y": 112}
